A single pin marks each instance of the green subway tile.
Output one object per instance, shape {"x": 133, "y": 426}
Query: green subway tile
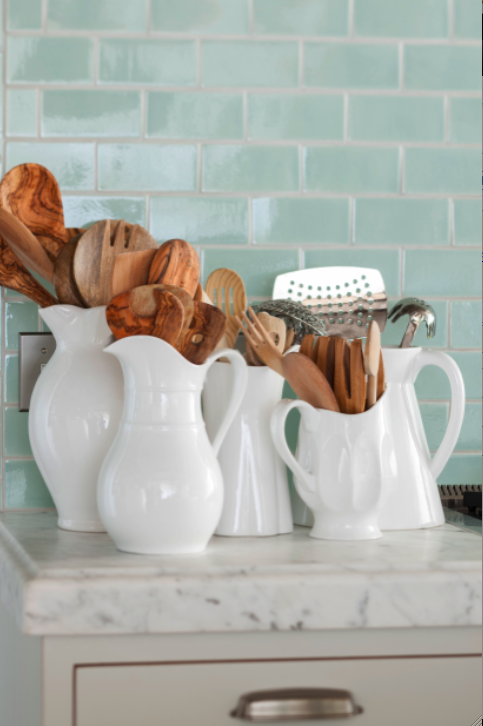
{"x": 147, "y": 167}
{"x": 354, "y": 65}
{"x": 435, "y": 421}
{"x": 91, "y": 113}
{"x": 387, "y": 261}
{"x": 195, "y": 115}
{"x": 16, "y": 433}
{"x": 200, "y": 220}
{"x": 10, "y": 379}
{"x": 200, "y": 16}
{"x": 432, "y": 383}
{"x": 442, "y": 68}
{"x": 24, "y": 14}
{"x": 402, "y": 18}
{"x": 443, "y": 171}
{"x": 301, "y": 221}
{"x": 401, "y": 222}
{"x": 258, "y": 268}
{"x": 462, "y": 469}
{"x": 249, "y": 63}
{"x": 24, "y": 486}
{"x": 470, "y": 436}
{"x": 161, "y": 62}
{"x": 97, "y": 15}
{"x": 295, "y": 117}
{"x": 250, "y": 168}
{"x": 301, "y": 17}
{"x": 50, "y": 60}
{"x": 85, "y": 211}
{"x": 21, "y": 112}
{"x": 449, "y": 273}
{"x": 351, "y": 169}
{"x": 379, "y": 118}
{"x": 465, "y": 124}
{"x": 394, "y": 332}
{"x": 466, "y": 324}
{"x": 71, "y": 164}
{"x": 20, "y": 317}
{"x": 467, "y": 221}
{"x": 467, "y": 19}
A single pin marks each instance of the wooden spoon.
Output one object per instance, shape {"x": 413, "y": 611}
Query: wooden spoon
{"x": 289, "y": 338}
{"x": 277, "y": 330}
{"x": 325, "y": 357}
{"x": 123, "y": 321}
{"x": 261, "y": 342}
{"x": 130, "y": 270}
{"x": 307, "y": 347}
{"x": 64, "y": 282}
{"x": 27, "y": 247}
{"x": 176, "y": 263}
{"x": 372, "y": 356}
{"x": 381, "y": 378}
{"x": 143, "y": 302}
{"x": 31, "y": 193}
{"x": 15, "y": 276}
{"x": 227, "y": 291}
{"x": 169, "y": 316}
{"x": 342, "y": 374}
{"x": 308, "y": 381}
{"x": 206, "y": 329}
{"x": 357, "y": 403}
{"x": 95, "y": 254}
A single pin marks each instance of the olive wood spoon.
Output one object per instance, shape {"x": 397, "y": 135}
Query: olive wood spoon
{"x": 27, "y": 247}
{"x": 64, "y": 282}
{"x": 130, "y": 270}
{"x": 16, "y": 277}
{"x": 143, "y": 302}
{"x": 123, "y": 321}
{"x": 206, "y": 329}
{"x": 176, "y": 263}
{"x": 308, "y": 381}
{"x": 372, "y": 356}
{"x": 169, "y": 316}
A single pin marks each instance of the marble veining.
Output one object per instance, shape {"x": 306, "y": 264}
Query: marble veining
{"x": 58, "y": 583}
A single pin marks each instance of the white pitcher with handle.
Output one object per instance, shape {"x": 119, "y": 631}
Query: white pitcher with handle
{"x": 160, "y": 488}
{"x": 415, "y": 502}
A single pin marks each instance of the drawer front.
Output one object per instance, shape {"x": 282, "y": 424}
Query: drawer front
{"x": 396, "y": 691}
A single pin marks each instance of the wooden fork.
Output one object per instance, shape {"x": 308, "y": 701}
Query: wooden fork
{"x": 261, "y": 341}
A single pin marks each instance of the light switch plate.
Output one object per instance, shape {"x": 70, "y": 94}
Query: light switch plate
{"x": 34, "y": 352}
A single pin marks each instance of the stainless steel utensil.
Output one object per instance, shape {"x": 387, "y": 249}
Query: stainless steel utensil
{"x": 418, "y": 311}
{"x": 346, "y": 299}
{"x": 296, "y": 317}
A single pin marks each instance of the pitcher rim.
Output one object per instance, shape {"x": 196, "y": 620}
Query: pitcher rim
{"x": 195, "y": 366}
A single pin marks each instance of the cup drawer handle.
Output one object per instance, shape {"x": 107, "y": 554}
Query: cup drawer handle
{"x": 288, "y": 704}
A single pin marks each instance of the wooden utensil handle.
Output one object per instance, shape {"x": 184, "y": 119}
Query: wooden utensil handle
{"x": 371, "y": 391}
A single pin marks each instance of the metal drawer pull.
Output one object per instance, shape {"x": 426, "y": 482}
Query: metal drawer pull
{"x": 287, "y": 704}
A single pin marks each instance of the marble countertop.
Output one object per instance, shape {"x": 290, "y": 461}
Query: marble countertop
{"x": 67, "y": 583}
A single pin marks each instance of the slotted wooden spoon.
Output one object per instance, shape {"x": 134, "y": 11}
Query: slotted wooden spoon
{"x": 227, "y": 291}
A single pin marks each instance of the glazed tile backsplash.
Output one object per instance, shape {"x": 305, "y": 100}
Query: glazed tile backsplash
{"x": 272, "y": 135}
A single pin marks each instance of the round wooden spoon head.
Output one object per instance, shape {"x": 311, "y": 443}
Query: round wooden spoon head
{"x": 308, "y": 381}
{"x": 227, "y": 291}
{"x": 64, "y": 282}
{"x": 143, "y": 302}
{"x": 176, "y": 263}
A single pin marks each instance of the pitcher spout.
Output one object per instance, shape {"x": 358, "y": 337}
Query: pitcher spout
{"x": 74, "y": 328}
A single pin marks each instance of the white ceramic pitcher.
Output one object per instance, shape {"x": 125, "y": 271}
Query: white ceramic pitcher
{"x": 257, "y": 502}
{"x": 160, "y": 488}
{"x": 75, "y": 411}
{"x": 415, "y": 503}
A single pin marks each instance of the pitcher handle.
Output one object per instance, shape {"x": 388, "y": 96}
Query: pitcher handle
{"x": 277, "y": 429}
{"x": 239, "y": 384}
{"x": 457, "y": 409}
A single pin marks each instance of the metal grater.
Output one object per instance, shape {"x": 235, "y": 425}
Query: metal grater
{"x": 345, "y": 298}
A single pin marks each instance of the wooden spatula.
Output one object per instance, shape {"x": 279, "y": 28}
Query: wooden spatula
{"x": 64, "y": 283}
{"x": 31, "y": 193}
{"x": 357, "y": 403}
{"x": 308, "y": 381}
{"x": 325, "y": 357}
{"x": 176, "y": 263}
{"x": 95, "y": 254}
{"x": 130, "y": 270}
{"x": 372, "y": 356}
{"x": 342, "y": 374}
{"x": 381, "y": 378}
{"x": 15, "y": 276}
{"x": 225, "y": 287}
{"x": 307, "y": 347}
{"x": 169, "y": 317}
{"x": 27, "y": 247}
{"x": 206, "y": 329}
{"x": 143, "y": 302}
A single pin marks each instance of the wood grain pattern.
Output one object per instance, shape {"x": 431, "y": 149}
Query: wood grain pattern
{"x": 260, "y": 341}
{"x": 176, "y": 263}
{"x": 381, "y": 378}
{"x": 308, "y": 382}
{"x": 325, "y": 357}
{"x": 289, "y": 338}
{"x": 64, "y": 282}
{"x": 123, "y": 322}
{"x": 169, "y": 317}
{"x": 31, "y": 193}
{"x": 130, "y": 270}
{"x": 206, "y": 329}
{"x": 277, "y": 330}
{"x": 27, "y": 247}
{"x": 307, "y": 346}
{"x": 15, "y": 276}
{"x": 227, "y": 291}
{"x": 357, "y": 402}
{"x": 342, "y": 374}
{"x": 143, "y": 302}
{"x": 95, "y": 254}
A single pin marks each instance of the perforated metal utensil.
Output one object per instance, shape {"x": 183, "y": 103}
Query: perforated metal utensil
{"x": 418, "y": 310}
{"x": 346, "y": 299}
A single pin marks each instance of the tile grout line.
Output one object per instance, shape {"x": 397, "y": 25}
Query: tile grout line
{"x": 149, "y": 17}
{"x": 351, "y": 19}
{"x": 451, "y": 19}
{"x": 44, "y": 16}
{"x": 251, "y": 18}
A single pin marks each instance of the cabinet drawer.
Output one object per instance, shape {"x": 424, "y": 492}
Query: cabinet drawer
{"x": 396, "y": 691}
